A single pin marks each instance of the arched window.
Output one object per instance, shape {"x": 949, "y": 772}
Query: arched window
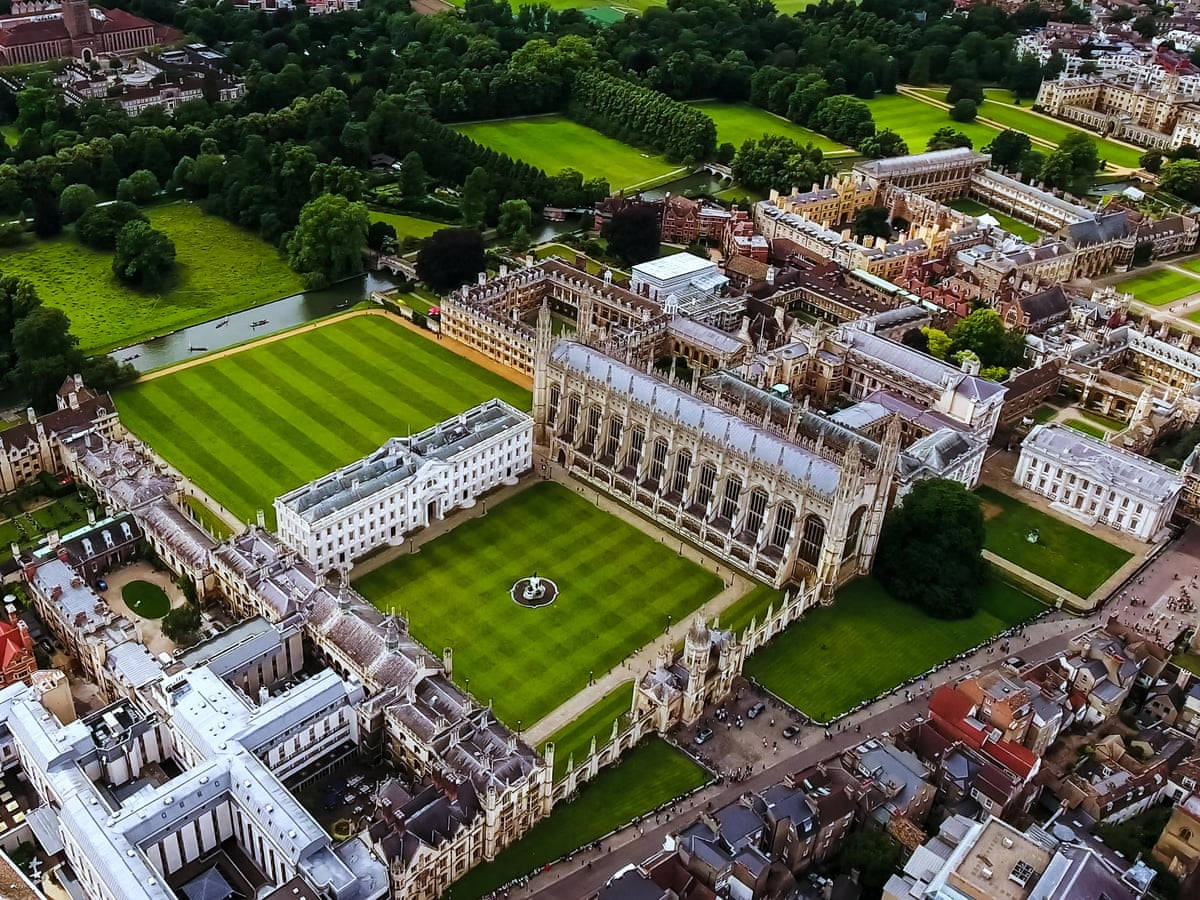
{"x": 758, "y": 510}
{"x": 729, "y": 503}
{"x": 614, "y": 438}
{"x": 555, "y": 396}
{"x": 784, "y": 518}
{"x": 572, "y": 417}
{"x": 854, "y": 532}
{"x": 593, "y": 426}
{"x": 634, "y": 457}
{"x": 708, "y": 478}
{"x": 683, "y": 465}
{"x": 658, "y": 459}
{"x": 811, "y": 539}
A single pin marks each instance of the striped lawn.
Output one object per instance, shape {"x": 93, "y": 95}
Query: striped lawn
{"x": 616, "y": 588}
{"x": 254, "y": 425}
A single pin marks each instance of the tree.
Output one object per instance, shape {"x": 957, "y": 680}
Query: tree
{"x": 46, "y": 353}
{"x": 412, "y": 175}
{"x": 872, "y": 220}
{"x": 329, "y": 240}
{"x": 937, "y": 342}
{"x": 946, "y": 137}
{"x": 450, "y": 257}
{"x": 1151, "y": 161}
{"x": 843, "y": 118}
{"x": 930, "y": 549}
{"x": 143, "y": 256}
{"x": 75, "y": 200}
{"x": 1073, "y": 166}
{"x": 381, "y": 237}
{"x": 140, "y": 187}
{"x": 916, "y": 339}
{"x": 1007, "y": 148}
{"x": 983, "y": 333}
{"x": 633, "y": 233}
{"x": 1145, "y": 25}
{"x": 994, "y": 373}
{"x": 1182, "y": 178}
{"x": 182, "y": 624}
{"x": 871, "y": 853}
{"x": 883, "y": 144}
{"x": 515, "y": 215}
{"x": 98, "y": 227}
{"x": 964, "y": 88}
{"x": 964, "y": 110}
{"x": 775, "y": 161}
{"x": 475, "y": 197}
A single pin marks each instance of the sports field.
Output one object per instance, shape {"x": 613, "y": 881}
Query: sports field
{"x": 866, "y": 643}
{"x": 1160, "y": 287}
{"x": 554, "y": 143}
{"x": 651, "y": 774}
{"x": 1068, "y": 556}
{"x": 219, "y": 269}
{"x": 574, "y": 740}
{"x": 253, "y": 425}
{"x": 1008, "y": 223}
{"x": 998, "y": 106}
{"x": 617, "y": 586}
{"x": 741, "y": 122}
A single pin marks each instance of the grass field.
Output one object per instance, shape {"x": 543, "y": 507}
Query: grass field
{"x": 616, "y": 586}
{"x": 866, "y": 643}
{"x": 998, "y": 106}
{"x": 1045, "y": 413}
{"x": 219, "y": 269}
{"x": 1160, "y": 287}
{"x": 1188, "y": 661}
{"x": 650, "y": 775}
{"x": 146, "y": 600}
{"x": 1007, "y": 222}
{"x": 554, "y": 143}
{"x": 253, "y": 425}
{"x": 741, "y": 122}
{"x": 916, "y": 121}
{"x": 752, "y": 606}
{"x": 1068, "y": 556}
{"x": 408, "y": 226}
{"x": 206, "y": 518}
{"x": 1085, "y": 428}
{"x": 575, "y": 738}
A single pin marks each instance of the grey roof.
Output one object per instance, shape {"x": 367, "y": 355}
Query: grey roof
{"x": 915, "y": 364}
{"x": 741, "y": 436}
{"x": 704, "y": 335}
{"x": 134, "y": 664}
{"x": 919, "y": 162}
{"x": 1105, "y": 464}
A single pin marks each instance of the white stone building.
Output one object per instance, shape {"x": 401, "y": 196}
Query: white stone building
{"x": 1097, "y": 482}
{"x": 406, "y": 484}
{"x": 659, "y": 278}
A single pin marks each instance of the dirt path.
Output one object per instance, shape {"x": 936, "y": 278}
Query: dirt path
{"x": 454, "y": 346}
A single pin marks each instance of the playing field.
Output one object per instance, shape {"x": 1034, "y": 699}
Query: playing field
{"x": 1068, "y": 556}
{"x": 574, "y": 740}
{"x": 650, "y": 775}
{"x": 741, "y": 122}
{"x": 866, "y": 643}
{"x": 1160, "y": 287}
{"x": 916, "y": 121}
{"x": 408, "y": 226}
{"x": 554, "y": 143}
{"x": 219, "y": 269}
{"x": 617, "y": 587}
{"x": 1007, "y": 222}
{"x": 255, "y": 424}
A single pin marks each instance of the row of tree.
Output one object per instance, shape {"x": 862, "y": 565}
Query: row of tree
{"x": 640, "y": 115}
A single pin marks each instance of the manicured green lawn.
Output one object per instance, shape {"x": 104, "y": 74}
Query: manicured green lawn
{"x": 617, "y": 586}
{"x": 28, "y": 528}
{"x": 220, "y": 268}
{"x": 741, "y": 122}
{"x": 1160, "y": 287}
{"x": 146, "y": 600}
{"x": 575, "y": 738}
{"x": 554, "y": 143}
{"x": 1044, "y": 413}
{"x": 1106, "y": 422}
{"x": 916, "y": 121}
{"x": 651, "y": 774}
{"x": 752, "y": 606}
{"x": 594, "y": 267}
{"x": 1085, "y": 427}
{"x": 1008, "y": 223}
{"x": 253, "y": 425}
{"x": 866, "y": 643}
{"x": 998, "y": 106}
{"x": 1066, "y": 555}
{"x": 1192, "y": 265}
{"x": 408, "y": 226}
{"x": 206, "y": 518}
{"x": 1189, "y": 661}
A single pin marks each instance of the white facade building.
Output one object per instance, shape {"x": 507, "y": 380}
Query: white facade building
{"x": 1097, "y": 482}
{"x": 659, "y": 278}
{"x": 405, "y": 484}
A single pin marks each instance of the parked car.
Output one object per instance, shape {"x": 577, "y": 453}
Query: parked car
{"x": 101, "y": 584}
{"x": 790, "y": 731}
{"x": 754, "y": 711}
{"x": 704, "y": 735}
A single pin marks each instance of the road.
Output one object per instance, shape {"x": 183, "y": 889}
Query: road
{"x": 589, "y": 869}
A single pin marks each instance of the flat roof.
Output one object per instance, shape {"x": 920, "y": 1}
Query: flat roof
{"x": 673, "y": 266}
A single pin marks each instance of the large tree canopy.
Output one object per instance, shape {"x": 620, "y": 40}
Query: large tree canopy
{"x": 450, "y": 257}
{"x": 329, "y": 241}
{"x": 633, "y": 233}
{"x": 930, "y": 549}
